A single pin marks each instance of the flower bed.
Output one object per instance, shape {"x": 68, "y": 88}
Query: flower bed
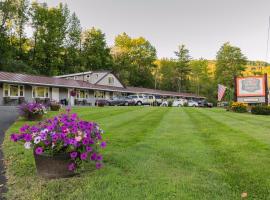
{"x": 239, "y": 107}
{"x": 32, "y": 111}
{"x": 65, "y": 134}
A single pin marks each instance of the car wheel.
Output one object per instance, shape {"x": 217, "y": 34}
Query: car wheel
{"x": 139, "y": 103}
{"x": 126, "y": 103}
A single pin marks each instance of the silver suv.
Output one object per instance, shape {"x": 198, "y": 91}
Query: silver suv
{"x": 139, "y": 99}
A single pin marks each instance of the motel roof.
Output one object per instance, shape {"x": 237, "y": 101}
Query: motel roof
{"x": 18, "y": 78}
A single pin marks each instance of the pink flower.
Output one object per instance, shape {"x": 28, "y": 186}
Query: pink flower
{"x": 78, "y": 138}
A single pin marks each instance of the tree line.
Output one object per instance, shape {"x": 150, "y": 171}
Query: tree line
{"x": 59, "y": 46}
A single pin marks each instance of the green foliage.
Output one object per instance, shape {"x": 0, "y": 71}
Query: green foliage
{"x": 238, "y": 107}
{"x": 134, "y": 58}
{"x": 183, "y": 68}
{"x": 260, "y": 110}
{"x": 96, "y": 54}
{"x": 230, "y": 63}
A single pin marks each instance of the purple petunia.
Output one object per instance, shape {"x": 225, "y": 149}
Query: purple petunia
{"x": 99, "y": 157}
{"x": 14, "y": 137}
{"x": 27, "y": 137}
{"x": 98, "y": 165}
{"x": 103, "y": 144}
{"x": 73, "y": 154}
{"x": 71, "y": 167}
{"x": 94, "y": 156}
{"x": 85, "y": 141}
{"x": 39, "y": 150}
{"x": 83, "y": 156}
{"x": 89, "y": 149}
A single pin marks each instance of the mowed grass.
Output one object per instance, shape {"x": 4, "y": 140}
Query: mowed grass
{"x": 159, "y": 153}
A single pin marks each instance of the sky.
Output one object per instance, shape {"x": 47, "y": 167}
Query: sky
{"x": 202, "y": 25}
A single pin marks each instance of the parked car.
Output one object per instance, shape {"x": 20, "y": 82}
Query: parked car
{"x": 120, "y": 101}
{"x": 164, "y": 103}
{"x": 179, "y": 102}
{"x": 158, "y": 100}
{"x": 154, "y": 100}
{"x": 223, "y": 104}
{"x": 101, "y": 102}
{"x": 192, "y": 103}
{"x": 139, "y": 99}
{"x": 204, "y": 103}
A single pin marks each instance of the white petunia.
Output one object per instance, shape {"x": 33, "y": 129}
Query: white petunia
{"x": 37, "y": 139}
{"x": 27, "y": 145}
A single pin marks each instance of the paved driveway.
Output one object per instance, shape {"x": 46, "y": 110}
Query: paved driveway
{"x": 8, "y": 115}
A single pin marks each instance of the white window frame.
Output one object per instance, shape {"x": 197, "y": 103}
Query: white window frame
{"x": 112, "y": 79}
{"x": 78, "y": 94}
{"x": 44, "y": 97}
{"x": 19, "y": 90}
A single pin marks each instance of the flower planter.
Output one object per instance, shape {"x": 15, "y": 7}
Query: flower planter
{"x": 53, "y": 166}
{"x": 34, "y": 117}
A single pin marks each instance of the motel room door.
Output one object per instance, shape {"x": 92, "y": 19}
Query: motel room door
{"x": 55, "y": 94}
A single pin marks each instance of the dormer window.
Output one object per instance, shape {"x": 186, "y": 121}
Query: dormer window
{"x": 111, "y": 80}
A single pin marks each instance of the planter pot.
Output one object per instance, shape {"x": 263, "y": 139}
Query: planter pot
{"x": 53, "y": 166}
{"x": 33, "y": 117}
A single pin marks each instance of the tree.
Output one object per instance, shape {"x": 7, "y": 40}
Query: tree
{"x": 139, "y": 56}
{"x": 230, "y": 63}
{"x": 50, "y": 27}
{"x": 95, "y": 52}
{"x": 72, "y": 56}
{"x": 169, "y": 79}
{"x": 183, "y": 68}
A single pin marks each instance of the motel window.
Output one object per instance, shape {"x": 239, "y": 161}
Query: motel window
{"x": 81, "y": 94}
{"x": 40, "y": 92}
{"x": 99, "y": 94}
{"x": 111, "y": 80}
{"x": 12, "y": 90}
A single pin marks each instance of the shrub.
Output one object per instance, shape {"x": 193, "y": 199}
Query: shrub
{"x": 21, "y": 100}
{"x": 32, "y": 111}
{"x": 170, "y": 102}
{"x": 55, "y": 106}
{"x": 260, "y": 110}
{"x": 67, "y": 134}
{"x": 239, "y": 107}
{"x": 7, "y": 100}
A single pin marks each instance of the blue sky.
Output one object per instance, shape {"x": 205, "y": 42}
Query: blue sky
{"x": 202, "y": 25}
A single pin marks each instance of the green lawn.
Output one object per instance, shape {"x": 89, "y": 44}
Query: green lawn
{"x": 159, "y": 153}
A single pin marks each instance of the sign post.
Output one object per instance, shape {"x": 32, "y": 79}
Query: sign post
{"x": 266, "y": 89}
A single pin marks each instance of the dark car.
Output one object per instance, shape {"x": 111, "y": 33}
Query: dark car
{"x": 101, "y": 102}
{"x": 121, "y": 101}
{"x": 204, "y": 103}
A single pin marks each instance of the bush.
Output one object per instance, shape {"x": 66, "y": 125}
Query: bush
{"x": 55, "y": 106}
{"x": 66, "y": 133}
{"x": 170, "y": 102}
{"x": 7, "y": 100}
{"x": 260, "y": 110}
{"x": 32, "y": 111}
{"x": 238, "y": 107}
{"x": 21, "y": 100}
